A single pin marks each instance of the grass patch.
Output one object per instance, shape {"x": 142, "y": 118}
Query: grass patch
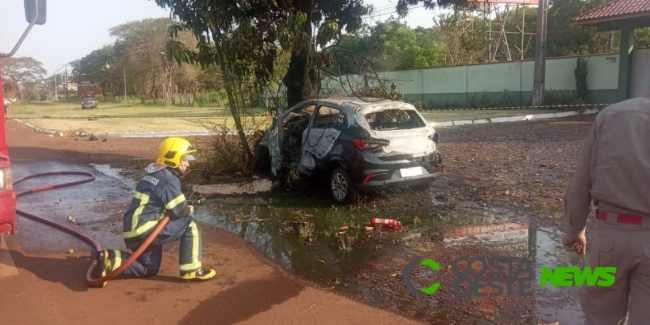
{"x": 35, "y": 110}
{"x": 446, "y": 116}
{"x": 153, "y": 124}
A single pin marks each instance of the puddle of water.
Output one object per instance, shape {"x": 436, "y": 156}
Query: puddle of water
{"x": 115, "y": 173}
{"x": 302, "y": 236}
{"x": 309, "y": 239}
{"x": 559, "y": 303}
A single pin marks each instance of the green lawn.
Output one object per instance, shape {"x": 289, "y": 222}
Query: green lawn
{"x": 116, "y": 117}
{"x": 29, "y": 110}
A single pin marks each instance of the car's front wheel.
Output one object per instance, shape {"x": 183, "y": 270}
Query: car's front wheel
{"x": 341, "y": 187}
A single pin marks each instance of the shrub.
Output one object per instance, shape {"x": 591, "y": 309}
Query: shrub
{"x": 580, "y": 73}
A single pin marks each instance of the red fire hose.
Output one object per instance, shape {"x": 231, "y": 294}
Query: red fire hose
{"x": 89, "y": 280}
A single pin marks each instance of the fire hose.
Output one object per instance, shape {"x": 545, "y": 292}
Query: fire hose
{"x": 93, "y": 243}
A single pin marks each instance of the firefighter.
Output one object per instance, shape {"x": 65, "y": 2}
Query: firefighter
{"x": 613, "y": 172}
{"x": 159, "y": 193}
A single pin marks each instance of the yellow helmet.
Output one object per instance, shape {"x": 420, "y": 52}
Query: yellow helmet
{"x": 172, "y": 150}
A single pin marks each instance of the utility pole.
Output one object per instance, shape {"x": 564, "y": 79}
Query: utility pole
{"x": 540, "y": 54}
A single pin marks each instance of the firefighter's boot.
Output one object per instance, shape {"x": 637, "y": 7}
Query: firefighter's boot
{"x": 103, "y": 266}
{"x": 199, "y": 275}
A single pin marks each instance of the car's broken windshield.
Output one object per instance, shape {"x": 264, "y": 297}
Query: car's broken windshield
{"x": 394, "y": 119}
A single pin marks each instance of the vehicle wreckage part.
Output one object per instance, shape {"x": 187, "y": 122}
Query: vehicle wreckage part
{"x": 369, "y": 144}
{"x": 390, "y": 223}
{"x": 93, "y": 243}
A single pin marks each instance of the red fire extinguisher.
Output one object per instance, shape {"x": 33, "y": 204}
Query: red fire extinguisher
{"x": 390, "y": 223}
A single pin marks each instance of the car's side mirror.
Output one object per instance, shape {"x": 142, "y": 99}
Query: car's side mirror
{"x": 35, "y": 9}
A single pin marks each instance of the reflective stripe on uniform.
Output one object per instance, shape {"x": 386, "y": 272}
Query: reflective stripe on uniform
{"x": 144, "y": 199}
{"x": 118, "y": 260}
{"x": 173, "y": 203}
{"x": 196, "y": 263}
{"x": 143, "y": 229}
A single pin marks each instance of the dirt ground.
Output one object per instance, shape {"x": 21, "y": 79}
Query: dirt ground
{"x": 520, "y": 167}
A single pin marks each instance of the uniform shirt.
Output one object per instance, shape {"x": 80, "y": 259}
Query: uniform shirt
{"x": 158, "y": 193}
{"x": 614, "y": 169}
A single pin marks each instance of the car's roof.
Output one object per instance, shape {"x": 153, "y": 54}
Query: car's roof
{"x": 364, "y": 103}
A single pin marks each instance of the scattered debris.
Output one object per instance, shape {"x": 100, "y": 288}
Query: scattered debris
{"x": 71, "y": 219}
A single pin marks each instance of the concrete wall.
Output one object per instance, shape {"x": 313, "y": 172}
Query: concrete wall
{"x": 457, "y": 86}
{"x": 640, "y": 72}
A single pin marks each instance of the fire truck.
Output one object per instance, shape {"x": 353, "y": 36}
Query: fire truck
{"x": 35, "y": 13}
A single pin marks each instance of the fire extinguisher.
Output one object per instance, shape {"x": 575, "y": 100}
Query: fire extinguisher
{"x": 390, "y": 223}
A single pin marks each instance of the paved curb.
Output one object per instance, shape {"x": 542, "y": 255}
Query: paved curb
{"x": 513, "y": 118}
{"x": 208, "y": 132}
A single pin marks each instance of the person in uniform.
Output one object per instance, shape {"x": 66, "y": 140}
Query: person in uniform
{"x": 7, "y": 104}
{"x": 156, "y": 195}
{"x": 614, "y": 172}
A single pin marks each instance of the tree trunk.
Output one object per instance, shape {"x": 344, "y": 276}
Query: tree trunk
{"x": 248, "y": 155}
{"x": 301, "y": 80}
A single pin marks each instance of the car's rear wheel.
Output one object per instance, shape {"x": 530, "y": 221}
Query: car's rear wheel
{"x": 341, "y": 187}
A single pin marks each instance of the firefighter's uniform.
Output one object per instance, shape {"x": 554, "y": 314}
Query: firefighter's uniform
{"x": 158, "y": 194}
{"x": 614, "y": 172}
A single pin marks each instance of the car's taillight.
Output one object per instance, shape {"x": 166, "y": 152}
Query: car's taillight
{"x": 5, "y": 178}
{"x": 369, "y": 144}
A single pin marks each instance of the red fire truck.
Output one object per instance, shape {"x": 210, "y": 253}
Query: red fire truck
{"x": 35, "y": 14}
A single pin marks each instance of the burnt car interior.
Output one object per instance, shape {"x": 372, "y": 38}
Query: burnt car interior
{"x": 293, "y": 126}
{"x": 296, "y": 122}
{"x": 394, "y": 119}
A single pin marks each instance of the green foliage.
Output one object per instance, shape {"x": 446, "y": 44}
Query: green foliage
{"x": 567, "y": 97}
{"x": 249, "y": 37}
{"x": 565, "y": 38}
{"x": 506, "y": 98}
{"x": 381, "y": 92}
{"x": 642, "y": 38}
{"x": 479, "y": 100}
{"x": 550, "y": 97}
{"x": 580, "y": 73}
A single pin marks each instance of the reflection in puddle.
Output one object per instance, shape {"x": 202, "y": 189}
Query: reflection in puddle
{"x": 115, "y": 173}
{"x": 558, "y": 303}
{"x": 335, "y": 247}
{"x": 322, "y": 243}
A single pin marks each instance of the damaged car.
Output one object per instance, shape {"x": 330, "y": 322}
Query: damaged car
{"x": 355, "y": 144}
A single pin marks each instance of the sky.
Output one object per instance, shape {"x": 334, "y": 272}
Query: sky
{"x": 74, "y": 28}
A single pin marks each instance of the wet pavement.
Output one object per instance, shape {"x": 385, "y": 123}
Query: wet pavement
{"x": 89, "y": 205}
